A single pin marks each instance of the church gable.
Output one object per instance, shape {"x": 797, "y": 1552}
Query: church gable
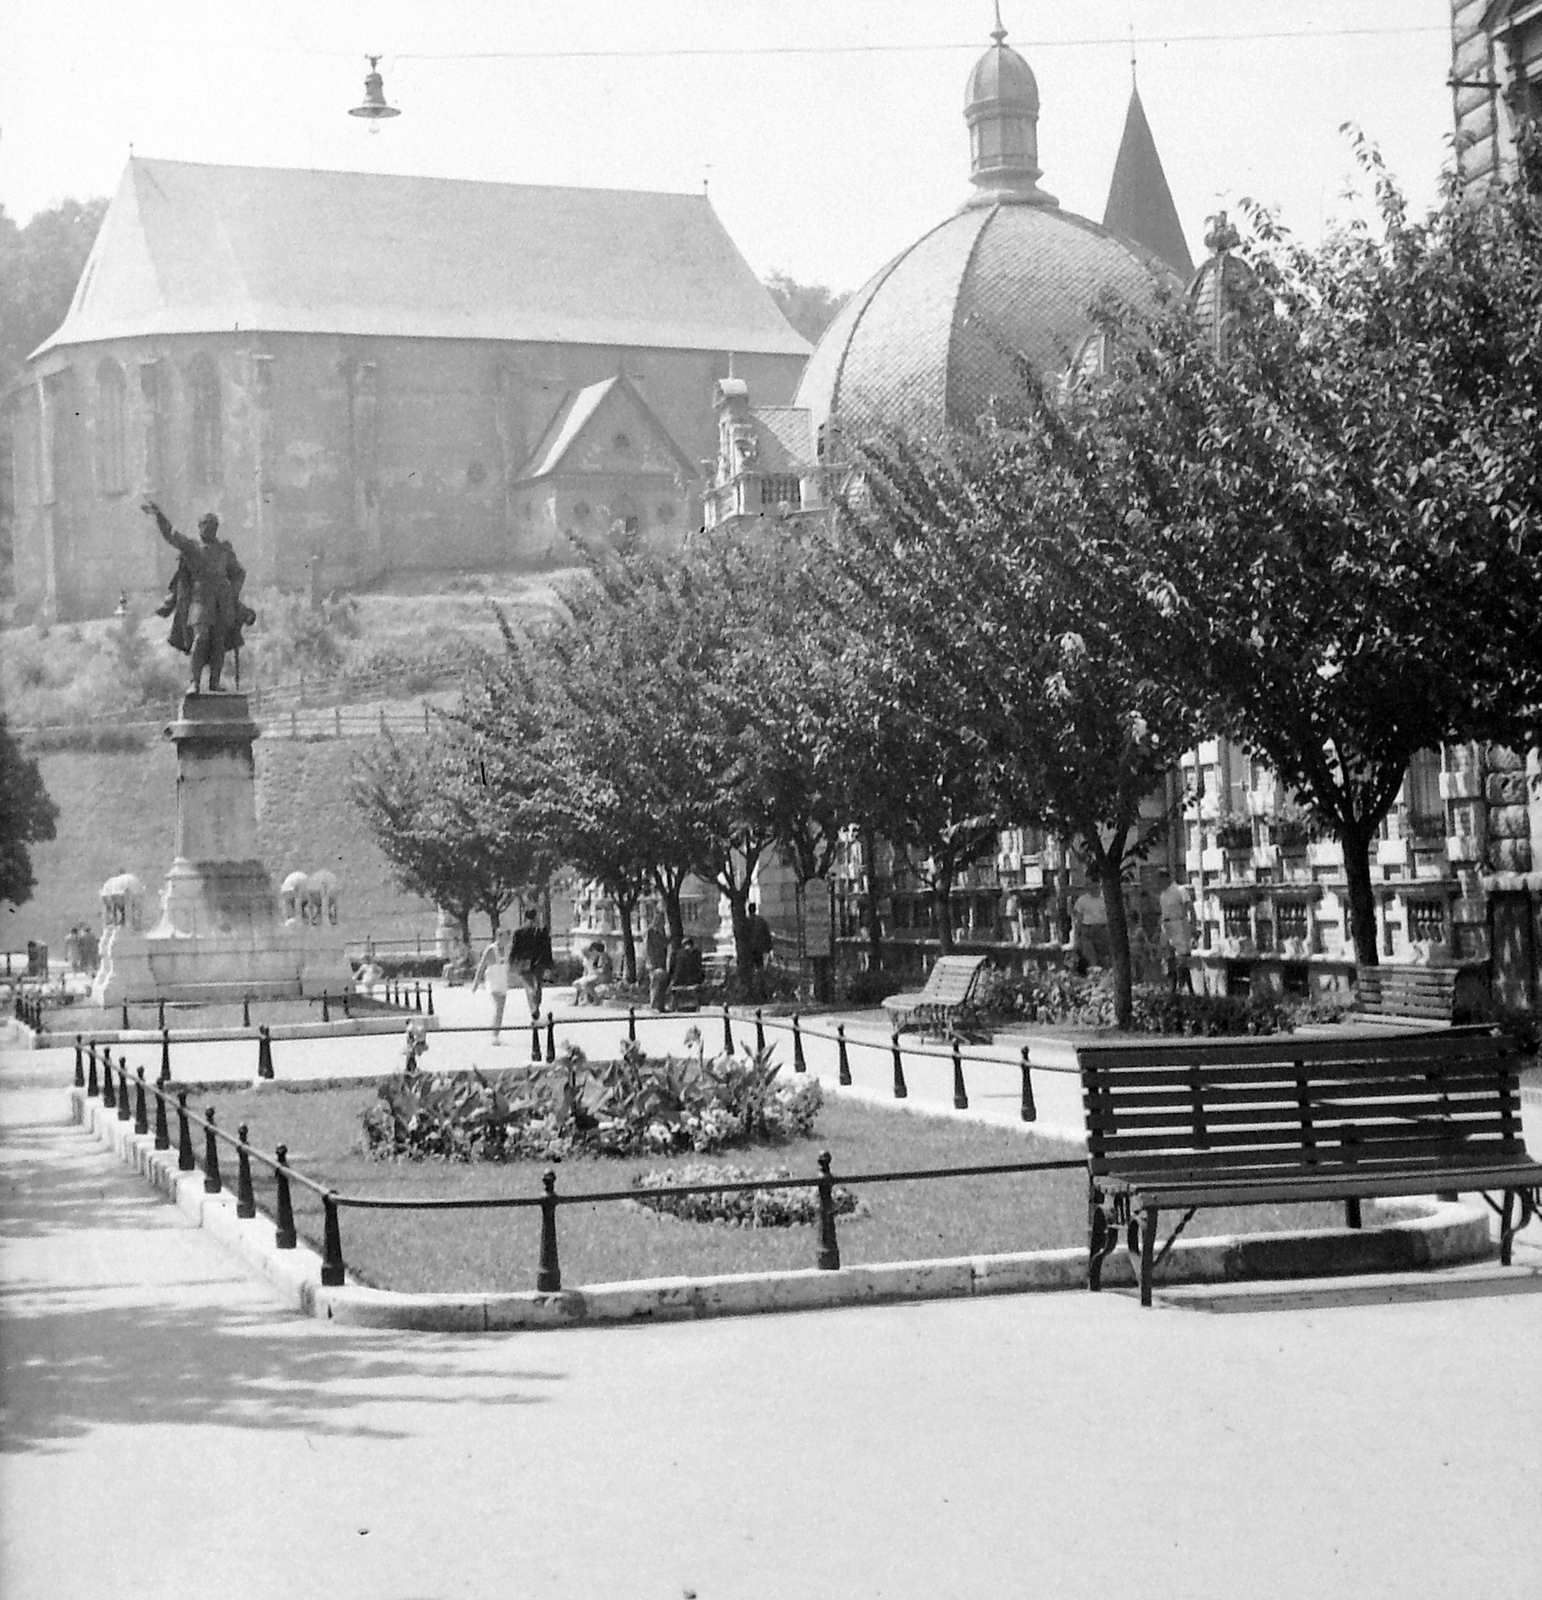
{"x": 607, "y": 429}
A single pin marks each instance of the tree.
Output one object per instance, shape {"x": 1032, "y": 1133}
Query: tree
{"x": 809, "y": 307}
{"x": 982, "y": 570}
{"x": 40, "y": 265}
{"x": 27, "y": 816}
{"x": 1335, "y": 516}
{"x": 435, "y": 820}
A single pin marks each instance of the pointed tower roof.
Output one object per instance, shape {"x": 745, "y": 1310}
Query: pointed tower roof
{"x": 1140, "y": 205}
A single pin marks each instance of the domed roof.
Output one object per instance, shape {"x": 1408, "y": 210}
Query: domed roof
{"x": 931, "y": 340}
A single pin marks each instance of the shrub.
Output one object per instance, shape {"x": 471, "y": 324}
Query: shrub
{"x": 1061, "y": 996}
{"x": 636, "y": 1105}
{"x": 871, "y": 988}
{"x": 739, "y": 1208}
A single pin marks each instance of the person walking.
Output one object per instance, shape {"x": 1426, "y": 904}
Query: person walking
{"x": 761, "y": 943}
{"x": 656, "y": 961}
{"x": 531, "y": 958}
{"x": 493, "y": 970}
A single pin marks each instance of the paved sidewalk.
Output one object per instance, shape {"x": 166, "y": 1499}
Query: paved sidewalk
{"x": 169, "y": 1430}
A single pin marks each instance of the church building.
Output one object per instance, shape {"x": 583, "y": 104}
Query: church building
{"x": 380, "y": 374}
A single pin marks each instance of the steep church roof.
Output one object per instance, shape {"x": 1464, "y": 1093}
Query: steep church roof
{"x": 193, "y": 248}
{"x": 1140, "y": 205}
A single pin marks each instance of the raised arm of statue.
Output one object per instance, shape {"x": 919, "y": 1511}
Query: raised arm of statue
{"x": 179, "y": 541}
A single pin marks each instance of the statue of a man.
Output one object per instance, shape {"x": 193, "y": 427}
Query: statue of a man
{"x": 208, "y": 583}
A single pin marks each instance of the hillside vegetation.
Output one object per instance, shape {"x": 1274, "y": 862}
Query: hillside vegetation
{"x": 105, "y": 687}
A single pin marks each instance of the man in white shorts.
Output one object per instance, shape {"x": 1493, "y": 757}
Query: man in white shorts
{"x": 493, "y": 969}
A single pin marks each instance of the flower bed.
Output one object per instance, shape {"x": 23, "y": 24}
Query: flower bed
{"x": 1063, "y": 997}
{"x": 738, "y": 1208}
{"x": 637, "y": 1105}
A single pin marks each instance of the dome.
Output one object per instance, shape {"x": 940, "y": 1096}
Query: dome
{"x": 1222, "y": 283}
{"x": 931, "y": 340}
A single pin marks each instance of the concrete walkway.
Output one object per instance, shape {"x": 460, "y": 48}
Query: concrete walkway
{"x": 168, "y": 1430}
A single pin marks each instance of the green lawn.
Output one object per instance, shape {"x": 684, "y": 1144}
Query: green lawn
{"x": 492, "y": 1250}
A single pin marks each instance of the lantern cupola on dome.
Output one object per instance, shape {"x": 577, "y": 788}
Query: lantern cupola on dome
{"x": 1001, "y": 107}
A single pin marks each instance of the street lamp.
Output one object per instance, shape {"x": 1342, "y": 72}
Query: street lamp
{"x": 374, "y": 108}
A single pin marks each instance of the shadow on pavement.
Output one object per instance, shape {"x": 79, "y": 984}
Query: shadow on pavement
{"x": 1483, "y": 1284}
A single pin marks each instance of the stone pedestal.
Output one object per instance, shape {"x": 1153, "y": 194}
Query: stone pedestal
{"x": 220, "y": 935}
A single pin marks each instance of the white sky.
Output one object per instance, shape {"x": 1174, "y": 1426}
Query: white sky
{"x": 823, "y": 164}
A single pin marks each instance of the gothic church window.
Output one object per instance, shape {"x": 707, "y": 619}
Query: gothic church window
{"x": 111, "y": 454}
{"x": 206, "y": 442}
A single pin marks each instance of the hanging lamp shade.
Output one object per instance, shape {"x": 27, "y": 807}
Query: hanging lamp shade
{"x": 374, "y": 108}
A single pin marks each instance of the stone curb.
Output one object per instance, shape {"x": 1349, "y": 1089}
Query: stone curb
{"x": 1431, "y": 1234}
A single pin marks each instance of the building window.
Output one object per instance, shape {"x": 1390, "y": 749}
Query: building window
{"x": 111, "y": 463}
{"x": 206, "y": 442}
{"x": 1290, "y": 919}
{"x": 151, "y": 400}
{"x": 1239, "y": 921}
{"x": 778, "y": 489}
{"x": 1426, "y": 810}
{"x": 1427, "y": 920}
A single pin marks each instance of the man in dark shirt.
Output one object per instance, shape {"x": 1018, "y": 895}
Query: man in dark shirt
{"x": 687, "y": 970}
{"x": 530, "y": 956}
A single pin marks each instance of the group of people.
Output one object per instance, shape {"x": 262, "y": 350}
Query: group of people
{"x": 668, "y": 967}
{"x": 523, "y": 953}
{"x": 82, "y": 950}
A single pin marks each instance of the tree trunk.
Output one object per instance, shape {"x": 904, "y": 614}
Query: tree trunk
{"x": 626, "y": 905}
{"x": 738, "y": 911}
{"x": 870, "y": 907}
{"x": 942, "y": 909}
{"x": 1111, "y": 881}
{"x": 668, "y": 885}
{"x": 1356, "y": 845}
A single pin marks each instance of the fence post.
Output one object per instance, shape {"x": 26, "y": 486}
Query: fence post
{"x": 1030, "y": 1111}
{"x": 124, "y": 1110}
{"x": 417, "y": 997}
{"x": 141, "y": 1110}
{"x": 92, "y": 1087}
{"x": 430, "y": 1007}
{"x": 211, "y": 1156}
{"x": 326, "y": 1006}
{"x": 125, "y": 1016}
{"x": 829, "y": 1248}
{"x": 185, "y": 1162}
{"x": 551, "y": 1038}
{"x": 80, "y": 1065}
{"x": 900, "y": 1091}
{"x": 165, "y": 1056}
{"x": 535, "y": 1039}
{"x": 264, "y": 1052}
{"x": 728, "y": 1032}
{"x": 631, "y": 1024}
{"x": 246, "y": 1011}
{"x": 160, "y": 1014}
{"x": 844, "y": 1078}
{"x": 960, "y": 1093}
{"x": 284, "y": 1235}
{"x": 162, "y": 1134}
{"x": 109, "y": 1094}
{"x": 332, "y": 1272}
{"x": 760, "y": 1032}
{"x": 548, "y": 1274}
{"x": 246, "y": 1201}
{"x": 337, "y": 721}
{"x": 798, "y": 1063}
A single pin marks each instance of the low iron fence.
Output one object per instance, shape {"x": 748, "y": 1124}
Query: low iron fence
{"x": 94, "y": 1074}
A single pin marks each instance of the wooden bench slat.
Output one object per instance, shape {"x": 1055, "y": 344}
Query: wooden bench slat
{"x": 1325, "y": 1157}
{"x": 1325, "y": 1136}
{"x": 1461, "y": 1114}
{"x": 1458, "y": 1043}
{"x": 1271, "y": 1191}
{"x": 1243, "y": 1096}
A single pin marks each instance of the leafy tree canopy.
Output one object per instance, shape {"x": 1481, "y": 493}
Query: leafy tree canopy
{"x": 27, "y": 816}
{"x": 809, "y": 307}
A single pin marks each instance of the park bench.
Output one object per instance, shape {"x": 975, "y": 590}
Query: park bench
{"x": 948, "y": 998}
{"x": 1180, "y": 1126}
{"x": 1422, "y": 997}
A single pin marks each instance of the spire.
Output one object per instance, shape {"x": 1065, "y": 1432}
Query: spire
{"x": 1001, "y": 108}
{"x": 1140, "y": 205}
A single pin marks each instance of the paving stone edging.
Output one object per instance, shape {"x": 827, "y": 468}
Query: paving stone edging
{"x": 1431, "y": 1233}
